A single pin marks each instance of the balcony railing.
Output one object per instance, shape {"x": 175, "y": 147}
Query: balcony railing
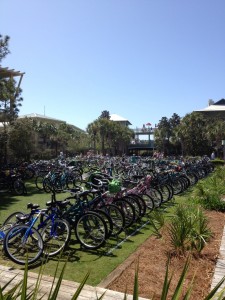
{"x": 145, "y": 144}
{"x": 144, "y": 130}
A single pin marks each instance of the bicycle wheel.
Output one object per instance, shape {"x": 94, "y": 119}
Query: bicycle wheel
{"x": 165, "y": 191}
{"x": 156, "y": 195}
{"x": 47, "y": 185}
{"x": 177, "y": 186}
{"x": 128, "y": 211}
{"x": 12, "y": 218}
{"x": 149, "y": 202}
{"x": 39, "y": 182}
{"x": 106, "y": 217}
{"x": 91, "y": 230}
{"x": 23, "y": 244}
{"x": 3, "y": 231}
{"x": 136, "y": 205}
{"x": 70, "y": 182}
{"x": 19, "y": 187}
{"x": 56, "y": 236}
{"x": 143, "y": 206}
{"x": 117, "y": 216}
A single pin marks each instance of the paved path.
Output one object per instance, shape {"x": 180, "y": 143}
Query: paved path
{"x": 67, "y": 288}
{"x": 219, "y": 272}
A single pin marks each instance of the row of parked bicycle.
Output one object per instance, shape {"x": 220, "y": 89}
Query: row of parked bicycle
{"x": 100, "y": 207}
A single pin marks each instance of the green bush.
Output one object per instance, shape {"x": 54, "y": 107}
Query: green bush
{"x": 218, "y": 162}
{"x": 210, "y": 192}
{"x": 188, "y": 230}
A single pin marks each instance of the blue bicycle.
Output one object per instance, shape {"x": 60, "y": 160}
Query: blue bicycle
{"x": 27, "y": 241}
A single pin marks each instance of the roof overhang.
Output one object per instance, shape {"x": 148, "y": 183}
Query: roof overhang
{"x": 212, "y": 108}
{"x": 9, "y": 73}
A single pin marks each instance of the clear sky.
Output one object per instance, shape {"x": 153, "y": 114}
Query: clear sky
{"x": 140, "y": 59}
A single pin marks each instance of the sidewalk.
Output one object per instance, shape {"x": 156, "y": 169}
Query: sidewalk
{"x": 67, "y": 288}
{"x": 219, "y": 272}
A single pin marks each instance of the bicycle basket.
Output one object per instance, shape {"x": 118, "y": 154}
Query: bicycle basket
{"x": 114, "y": 186}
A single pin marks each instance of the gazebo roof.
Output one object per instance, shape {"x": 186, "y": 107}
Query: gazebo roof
{"x": 8, "y": 73}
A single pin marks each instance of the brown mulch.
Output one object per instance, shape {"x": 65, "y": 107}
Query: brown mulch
{"x": 152, "y": 258}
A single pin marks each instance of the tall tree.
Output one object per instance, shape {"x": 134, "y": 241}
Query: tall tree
{"x": 9, "y": 94}
{"x": 192, "y": 131}
{"x": 105, "y": 115}
{"x": 21, "y": 139}
{"x": 162, "y": 135}
{"x": 4, "y": 46}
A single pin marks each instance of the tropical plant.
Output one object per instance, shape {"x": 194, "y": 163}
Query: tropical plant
{"x": 188, "y": 229}
{"x": 157, "y": 221}
{"x": 210, "y": 192}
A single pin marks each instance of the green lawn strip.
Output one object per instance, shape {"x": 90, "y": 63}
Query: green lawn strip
{"x": 100, "y": 263}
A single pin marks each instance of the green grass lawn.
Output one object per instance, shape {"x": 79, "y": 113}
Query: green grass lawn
{"x": 99, "y": 262}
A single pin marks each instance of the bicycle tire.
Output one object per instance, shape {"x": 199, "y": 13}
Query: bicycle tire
{"x": 137, "y": 206}
{"x": 39, "y": 182}
{"x": 117, "y": 216}
{"x": 91, "y": 230}
{"x": 143, "y": 206}
{"x": 108, "y": 220}
{"x": 165, "y": 191}
{"x": 128, "y": 211}
{"x": 56, "y": 236}
{"x": 177, "y": 186}
{"x": 19, "y": 187}
{"x": 3, "y": 231}
{"x": 149, "y": 203}
{"x": 156, "y": 195}
{"x": 23, "y": 244}
{"x": 12, "y": 218}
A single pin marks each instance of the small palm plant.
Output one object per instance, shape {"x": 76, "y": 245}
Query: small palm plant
{"x": 188, "y": 230}
{"x": 157, "y": 221}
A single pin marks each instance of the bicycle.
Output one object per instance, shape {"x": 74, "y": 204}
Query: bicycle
{"x": 50, "y": 236}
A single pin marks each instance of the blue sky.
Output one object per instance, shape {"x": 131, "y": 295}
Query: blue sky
{"x": 142, "y": 60}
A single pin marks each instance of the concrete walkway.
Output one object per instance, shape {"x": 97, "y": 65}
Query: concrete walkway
{"x": 67, "y": 288}
{"x": 219, "y": 272}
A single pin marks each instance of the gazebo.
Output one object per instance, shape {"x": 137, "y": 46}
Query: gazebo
{"x": 11, "y": 73}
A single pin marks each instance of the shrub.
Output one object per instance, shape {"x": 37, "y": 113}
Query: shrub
{"x": 208, "y": 192}
{"x": 188, "y": 230}
{"x": 218, "y": 162}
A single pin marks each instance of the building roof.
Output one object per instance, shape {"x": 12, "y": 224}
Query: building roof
{"x": 43, "y": 117}
{"x": 117, "y": 118}
{"x": 38, "y": 116}
{"x": 217, "y": 106}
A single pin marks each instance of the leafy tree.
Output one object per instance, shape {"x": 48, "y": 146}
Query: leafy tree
{"x": 10, "y": 99}
{"x": 21, "y": 138}
{"x": 105, "y": 115}
{"x": 216, "y": 133}
{"x": 162, "y": 135}
{"x": 4, "y": 46}
{"x": 111, "y": 136}
{"x": 93, "y": 129}
{"x": 192, "y": 131}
